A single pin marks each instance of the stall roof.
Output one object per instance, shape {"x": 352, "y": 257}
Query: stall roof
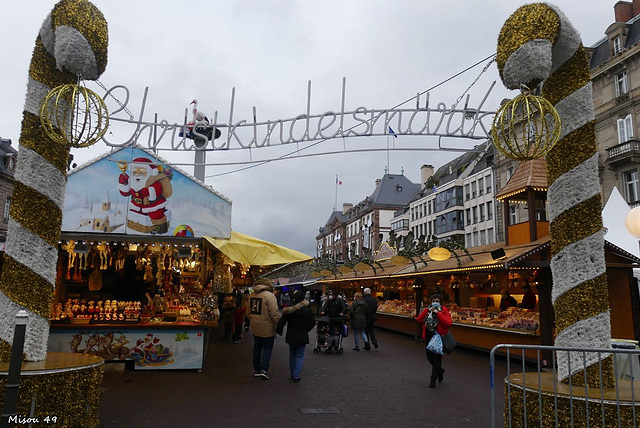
{"x": 248, "y": 250}
{"x": 483, "y": 260}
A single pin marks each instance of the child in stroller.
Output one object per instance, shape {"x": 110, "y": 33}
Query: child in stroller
{"x": 329, "y": 333}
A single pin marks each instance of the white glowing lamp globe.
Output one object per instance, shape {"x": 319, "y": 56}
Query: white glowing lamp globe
{"x": 632, "y": 222}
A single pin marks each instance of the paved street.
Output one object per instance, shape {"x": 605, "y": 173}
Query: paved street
{"x": 383, "y": 388}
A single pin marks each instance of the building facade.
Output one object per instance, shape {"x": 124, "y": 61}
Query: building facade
{"x": 615, "y": 77}
{"x": 455, "y": 202}
{"x": 365, "y": 226}
{"x": 8, "y": 158}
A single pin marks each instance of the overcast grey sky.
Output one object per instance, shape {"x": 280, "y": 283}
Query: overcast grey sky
{"x": 268, "y": 50}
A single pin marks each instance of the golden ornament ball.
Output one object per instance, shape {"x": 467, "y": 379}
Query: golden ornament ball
{"x": 526, "y": 127}
{"x": 73, "y": 115}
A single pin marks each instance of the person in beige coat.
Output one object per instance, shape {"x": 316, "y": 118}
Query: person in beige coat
{"x": 264, "y": 316}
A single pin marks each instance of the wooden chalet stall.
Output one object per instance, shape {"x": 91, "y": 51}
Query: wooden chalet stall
{"x": 471, "y": 288}
{"x": 133, "y": 270}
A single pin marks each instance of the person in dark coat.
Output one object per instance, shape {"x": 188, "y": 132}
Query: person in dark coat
{"x": 334, "y": 306}
{"x": 372, "y": 316}
{"x": 299, "y": 321}
{"x": 507, "y": 301}
{"x": 529, "y": 298}
{"x": 359, "y": 310}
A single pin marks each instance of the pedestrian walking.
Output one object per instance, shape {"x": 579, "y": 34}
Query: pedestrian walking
{"x": 372, "y": 316}
{"x": 245, "y": 303}
{"x": 228, "y": 307}
{"x": 238, "y": 319}
{"x": 299, "y": 321}
{"x": 264, "y": 315}
{"x": 359, "y": 310}
{"x": 436, "y": 319}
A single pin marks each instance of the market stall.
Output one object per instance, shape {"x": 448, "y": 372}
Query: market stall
{"x": 473, "y": 289}
{"x": 134, "y": 274}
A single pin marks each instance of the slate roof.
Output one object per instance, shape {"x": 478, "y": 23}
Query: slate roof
{"x": 532, "y": 173}
{"x": 601, "y": 52}
{"x": 394, "y": 190}
{"x": 6, "y": 148}
{"x": 453, "y": 169}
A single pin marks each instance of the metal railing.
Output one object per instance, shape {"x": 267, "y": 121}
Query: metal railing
{"x": 630, "y": 146}
{"x": 626, "y": 369}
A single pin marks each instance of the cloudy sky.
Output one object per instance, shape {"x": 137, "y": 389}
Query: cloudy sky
{"x": 268, "y": 51}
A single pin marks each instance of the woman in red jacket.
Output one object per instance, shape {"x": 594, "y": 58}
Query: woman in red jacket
{"x": 435, "y": 319}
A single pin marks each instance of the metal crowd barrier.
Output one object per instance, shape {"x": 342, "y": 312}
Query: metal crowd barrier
{"x": 626, "y": 369}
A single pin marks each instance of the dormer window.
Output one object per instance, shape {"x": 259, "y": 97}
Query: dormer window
{"x": 10, "y": 162}
{"x": 617, "y": 45}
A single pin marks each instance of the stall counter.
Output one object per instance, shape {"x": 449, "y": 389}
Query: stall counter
{"x": 150, "y": 346}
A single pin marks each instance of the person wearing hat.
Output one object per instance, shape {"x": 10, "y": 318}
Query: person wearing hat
{"x": 149, "y": 190}
{"x": 264, "y": 316}
{"x": 372, "y": 316}
{"x": 299, "y": 321}
{"x": 529, "y": 298}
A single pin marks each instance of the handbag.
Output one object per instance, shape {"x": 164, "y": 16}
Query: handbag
{"x": 449, "y": 342}
{"x": 435, "y": 344}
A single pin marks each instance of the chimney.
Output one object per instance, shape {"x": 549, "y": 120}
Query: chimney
{"x": 346, "y": 207}
{"x": 426, "y": 172}
{"x": 636, "y": 7}
{"x": 624, "y": 10}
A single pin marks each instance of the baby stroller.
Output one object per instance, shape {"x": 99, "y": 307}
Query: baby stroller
{"x": 329, "y": 334}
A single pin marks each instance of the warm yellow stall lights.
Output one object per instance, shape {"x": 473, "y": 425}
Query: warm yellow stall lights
{"x": 362, "y": 266}
{"x": 344, "y": 269}
{"x": 400, "y": 260}
{"x": 632, "y": 222}
{"x": 439, "y": 253}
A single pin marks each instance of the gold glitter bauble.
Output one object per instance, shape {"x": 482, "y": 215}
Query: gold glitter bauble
{"x": 527, "y": 127}
{"x": 74, "y": 115}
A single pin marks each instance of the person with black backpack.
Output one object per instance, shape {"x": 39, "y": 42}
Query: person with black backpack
{"x": 436, "y": 319}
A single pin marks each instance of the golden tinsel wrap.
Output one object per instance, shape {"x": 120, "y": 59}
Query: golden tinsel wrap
{"x": 25, "y": 202}
{"x": 571, "y": 151}
{"x": 575, "y": 224}
{"x": 26, "y": 288}
{"x": 580, "y": 303}
{"x": 541, "y": 21}
{"x": 529, "y": 22}
{"x": 32, "y": 137}
{"x": 5, "y": 350}
{"x": 593, "y": 375}
{"x": 570, "y": 76}
{"x": 66, "y": 395}
{"x": 585, "y": 412}
{"x": 43, "y": 68}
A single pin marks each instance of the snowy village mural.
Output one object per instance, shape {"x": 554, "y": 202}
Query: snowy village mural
{"x": 131, "y": 191}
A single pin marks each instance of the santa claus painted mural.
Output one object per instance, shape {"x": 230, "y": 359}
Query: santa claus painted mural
{"x": 149, "y": 189}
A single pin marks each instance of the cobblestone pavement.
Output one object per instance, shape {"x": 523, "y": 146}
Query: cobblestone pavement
{"x": 387, "y": 387}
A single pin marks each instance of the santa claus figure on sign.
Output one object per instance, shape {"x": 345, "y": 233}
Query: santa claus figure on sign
{"x": 149, "y": 189}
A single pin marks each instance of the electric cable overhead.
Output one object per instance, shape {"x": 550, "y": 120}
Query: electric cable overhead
{"x": 298, "y": 150}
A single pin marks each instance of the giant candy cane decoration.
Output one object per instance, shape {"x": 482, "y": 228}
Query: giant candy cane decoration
{"x": 72, "y": 43}
{"x": 539, "y": 44}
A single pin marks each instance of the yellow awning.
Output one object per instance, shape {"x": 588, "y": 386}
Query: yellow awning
{"x": 253, "y": 251}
